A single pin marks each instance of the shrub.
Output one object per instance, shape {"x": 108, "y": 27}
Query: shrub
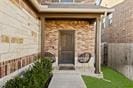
{"x": 35, "y": 77}
{"x": 15, "y": 83}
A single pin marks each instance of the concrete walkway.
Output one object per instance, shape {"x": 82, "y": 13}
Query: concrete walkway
{"x": 67, "y": 79}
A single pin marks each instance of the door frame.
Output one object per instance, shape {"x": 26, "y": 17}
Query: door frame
{"x": 59, "y": 45}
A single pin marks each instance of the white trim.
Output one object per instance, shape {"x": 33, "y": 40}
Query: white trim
{"x": 73, "y": 10}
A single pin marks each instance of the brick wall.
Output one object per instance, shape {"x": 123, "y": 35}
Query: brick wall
{"x": 121, "y": 29}
{"x": 19, "y": 36}
{"x": 84, "y": 35}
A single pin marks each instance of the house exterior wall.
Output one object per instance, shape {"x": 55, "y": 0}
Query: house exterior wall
{"x": 19, "y": 36}
{"x": 84, "y": 36}
{"x": 119, "y": 37}
{"x": 121, "y": 29}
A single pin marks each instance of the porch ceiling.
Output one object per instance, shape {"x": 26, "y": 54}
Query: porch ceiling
{"x": 71, "y": 8}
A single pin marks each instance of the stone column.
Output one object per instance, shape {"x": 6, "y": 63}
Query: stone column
{"x": 42, "y": 34}
{"x": 98, "y": 46}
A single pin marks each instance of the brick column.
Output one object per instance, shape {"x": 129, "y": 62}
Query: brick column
{"x": 98, "y": 47}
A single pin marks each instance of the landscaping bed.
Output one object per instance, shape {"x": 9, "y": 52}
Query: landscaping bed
{"x": 112, "y": 79}
{"x": 38, "y": 76}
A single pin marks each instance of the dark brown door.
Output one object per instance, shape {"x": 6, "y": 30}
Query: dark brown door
{"x": 66, "y": 47}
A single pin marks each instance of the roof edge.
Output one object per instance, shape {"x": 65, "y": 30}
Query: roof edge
{"x": 42, "y": 8}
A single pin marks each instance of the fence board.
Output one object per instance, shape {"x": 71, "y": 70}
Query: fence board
{"x": 120, "y": 57}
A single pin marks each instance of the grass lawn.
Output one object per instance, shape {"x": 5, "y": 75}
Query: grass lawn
{"x": 117, "y": 80}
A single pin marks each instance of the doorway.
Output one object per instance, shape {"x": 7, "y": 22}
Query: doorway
{"x": 66, "y": 46}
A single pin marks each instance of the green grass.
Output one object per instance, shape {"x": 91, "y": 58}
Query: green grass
{"x": 117, "y": 80}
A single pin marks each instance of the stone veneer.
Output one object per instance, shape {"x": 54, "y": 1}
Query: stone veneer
{"x": 19, "y": 36}
{"x": 84, "y": 35}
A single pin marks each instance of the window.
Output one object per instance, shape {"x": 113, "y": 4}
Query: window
{"x": 106, "y": 22}
{"x": 66, "y": 0}
{"x": 63, "y": 1}
{"x": 110, "y": 18}
{"x": 98, "y": 2}
{"x": 55, "y": 0}
{"x": 103, "y": 23}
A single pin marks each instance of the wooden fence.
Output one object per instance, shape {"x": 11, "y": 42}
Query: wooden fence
{"x": 120, "y": 57}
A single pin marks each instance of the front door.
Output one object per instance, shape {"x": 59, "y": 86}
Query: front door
{"x": 66, "y": 47}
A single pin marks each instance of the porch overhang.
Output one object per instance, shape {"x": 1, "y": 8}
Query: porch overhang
{"x": 98, "y": 13}
{"x": 44, "y": 9}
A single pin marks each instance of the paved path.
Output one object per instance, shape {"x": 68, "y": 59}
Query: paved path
{"x": 67, "y": 79}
